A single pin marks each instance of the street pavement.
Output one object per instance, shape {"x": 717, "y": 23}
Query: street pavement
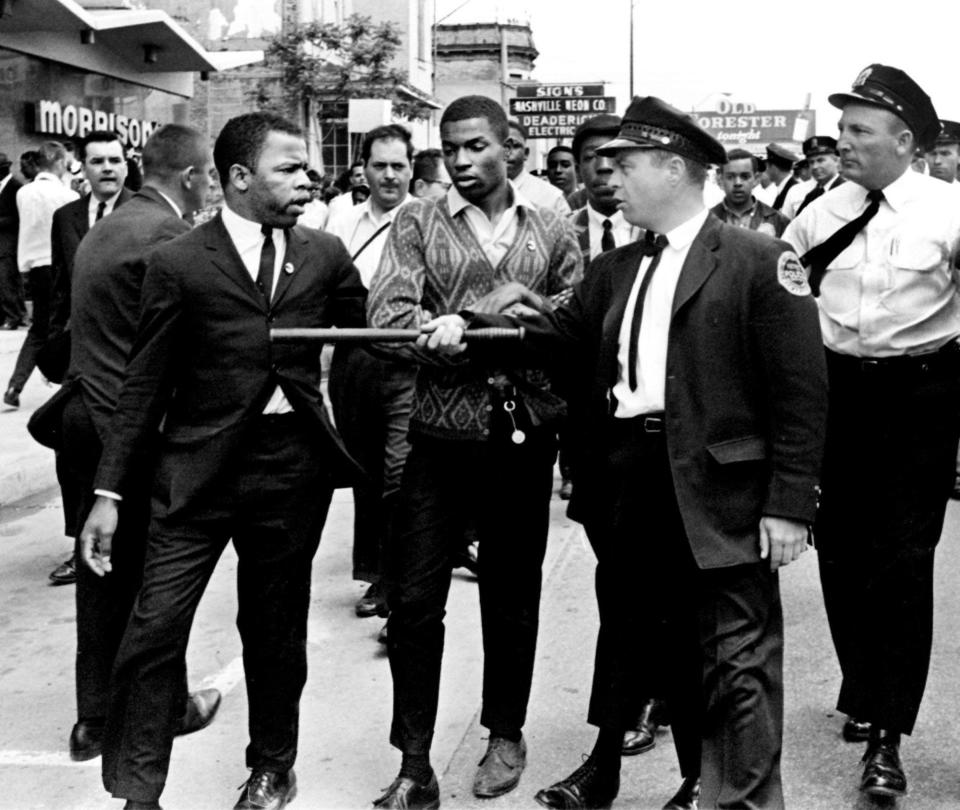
{"x": 345, "y": 759}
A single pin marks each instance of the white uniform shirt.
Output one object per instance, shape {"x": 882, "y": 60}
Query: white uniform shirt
{"x": 655, "y": 324}
{"x": 894, "y": 289}
{"x": 36, "y": 203}
{"x": 354, "y": 226}
{"x": 541, "y": 194}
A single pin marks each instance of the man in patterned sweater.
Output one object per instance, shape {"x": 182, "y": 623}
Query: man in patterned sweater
{"x": 476, "y": 453}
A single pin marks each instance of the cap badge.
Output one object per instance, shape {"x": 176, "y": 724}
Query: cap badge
{"x": 864, "y": 75}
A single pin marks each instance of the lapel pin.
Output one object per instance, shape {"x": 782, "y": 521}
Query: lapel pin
{"x": 531, "y": 246}
{"x": 288, "y": 268}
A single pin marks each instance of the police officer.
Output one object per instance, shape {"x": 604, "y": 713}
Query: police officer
{"x": 943, "y": 157}
{"x": 821, "y": 153}
{"x": 881, "y": 253}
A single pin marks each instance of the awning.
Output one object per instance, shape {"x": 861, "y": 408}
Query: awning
{"x": 142, "y": 46}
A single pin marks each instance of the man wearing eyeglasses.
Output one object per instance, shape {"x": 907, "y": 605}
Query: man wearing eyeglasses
{"x": 430, "y": 178}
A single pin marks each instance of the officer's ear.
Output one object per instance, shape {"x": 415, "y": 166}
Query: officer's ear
{"x": 906, "y": 141}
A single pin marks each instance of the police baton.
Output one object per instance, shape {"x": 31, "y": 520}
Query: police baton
{"x": 335, "y": 335}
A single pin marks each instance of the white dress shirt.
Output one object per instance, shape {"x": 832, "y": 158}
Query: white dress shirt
{"x": 248, "y": 239}
{"x": 623, "y": 232}
{"x": 36, "y": 203}
{"x": 541, "y": 194}
{"x": 494, "y": 239}
{"x": 93, "y": 204}
{"x": 894, "y": 289}
{"x": 355, "y": 225}
{"x": 655, "y": 324}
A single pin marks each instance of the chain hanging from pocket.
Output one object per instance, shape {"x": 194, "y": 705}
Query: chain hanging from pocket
{"x": 517, "y": 436}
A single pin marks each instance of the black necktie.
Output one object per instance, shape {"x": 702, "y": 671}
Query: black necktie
{"x": 652, "y": 246}
{"x": 606, "y": 241}
{"x": 100, "y": 209}
{"x": 817, "y": 192}
{"x": 819, "y": 256}
{"x": 268, "y": 253}
{"x": 782, "y": 196}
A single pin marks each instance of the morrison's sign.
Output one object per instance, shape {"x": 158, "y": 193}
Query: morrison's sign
{"x": 73, "y": 121}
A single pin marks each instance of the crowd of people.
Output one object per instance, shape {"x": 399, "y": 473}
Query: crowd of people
{"x": 735, "y": 357}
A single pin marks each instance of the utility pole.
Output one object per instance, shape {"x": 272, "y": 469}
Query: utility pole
{"x": 631, "y": 50}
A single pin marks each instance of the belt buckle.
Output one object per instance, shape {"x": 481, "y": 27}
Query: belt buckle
{"x": 869, "y": 365}
{"x": 653, "y": 424}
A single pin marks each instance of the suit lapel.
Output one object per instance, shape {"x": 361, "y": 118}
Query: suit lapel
{"x": 700, "y": 263}
{"x": 622, "y": 277}
{"x": 294, "y": 259}
{"x": 223, "y": 254}
{"x": 79, "y": 218}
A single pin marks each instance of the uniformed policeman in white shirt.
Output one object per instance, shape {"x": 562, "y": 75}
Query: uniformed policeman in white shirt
{"x": 824, "y": 161}
{"x": 881, "y": 252}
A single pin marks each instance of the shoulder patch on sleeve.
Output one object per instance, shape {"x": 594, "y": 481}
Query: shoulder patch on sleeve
{"x": 791, "y": 274}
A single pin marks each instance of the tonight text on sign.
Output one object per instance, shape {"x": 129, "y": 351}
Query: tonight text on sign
{"x": 74, "y": 121}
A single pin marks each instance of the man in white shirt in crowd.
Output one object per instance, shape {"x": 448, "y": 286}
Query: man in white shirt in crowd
{"x": 371, "y": 396}
{"x": 541, "y": 194}
{"x": 36, "y": 203}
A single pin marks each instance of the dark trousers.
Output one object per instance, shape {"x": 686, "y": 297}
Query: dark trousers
{"x": 371, "y": 400}
{"x": 273, "y": 503}
{"x": 892, "y": 435}
{"x": 709, "y": 641}
{"x": 103, "y": 603}
{"x": 505, "y": 489}
{"x": 38, "y": 284}
{"x": 12, "y": 307}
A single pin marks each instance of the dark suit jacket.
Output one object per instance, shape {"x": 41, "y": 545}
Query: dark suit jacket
{"x": 204, "y": 363}
{"x": 9, "y": 217}
{"x": 70, "y": 224}
{"x": 108, "y": 273}
{"x": 745, "y": 388}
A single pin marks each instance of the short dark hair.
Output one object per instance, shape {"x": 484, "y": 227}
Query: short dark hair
{"x": 97, "y": 136}
{"x": 560, "y": 147}
{"x": 242, "y": 137}
{"x": 425, "y": 164}
{"x": 466, "y": 107}
{"x": 743, "y": 154}
{"x": 389, "y": 132}
{"x": 28, "y": 164}
{"x": 513, "y": 123}
{"x": 48, "y": 154}
{"x": 171, "y": 149}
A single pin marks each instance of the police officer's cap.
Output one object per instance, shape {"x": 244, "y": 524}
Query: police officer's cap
{"x": 603, "y": 124}
{"x": 650, "y": 123}
{"x": 949, "y": 133}
{"x": 780, "y": 156}
{"x": 892, "y": 89}
{"x": 820, "y": 145}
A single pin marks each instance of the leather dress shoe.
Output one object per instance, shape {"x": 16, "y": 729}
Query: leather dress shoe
{"x": 467, "y": 559}
{"x": 883, "y": 773}
{"x": 86, "y": 740}
{"x": 408, "y": 794}
{"x": 500, "y": 768}
{"x": 687, "y": 797}
{"x": 643, "y": 737}
{"x": 856, "y": 730}
{"x": 585, "y": 788}
{"x": 566, "y": 489}
{"x": 267, "y": 790}
{"x": 11, "y": 398}
{"x": 201, "y": 709}
{"x": 372, "y": 603}
{"x": 383, "y": 635}
{"x": 65, "y": 573}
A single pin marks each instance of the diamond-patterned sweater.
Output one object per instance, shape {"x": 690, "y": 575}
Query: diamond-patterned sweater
{"x": 433, "y": 264}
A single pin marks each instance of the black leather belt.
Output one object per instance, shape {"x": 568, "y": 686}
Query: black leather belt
{"x": 645, "y": 423}
{"x": 946, "y": 358}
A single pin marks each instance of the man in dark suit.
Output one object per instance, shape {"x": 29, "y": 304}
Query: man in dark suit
{"x": 707, "y": 402}
{"x": 104, "y": 169}
{"x": 13, "y": 311}
{"x": 246, "y": 452}
{"x": 108, "y": 273}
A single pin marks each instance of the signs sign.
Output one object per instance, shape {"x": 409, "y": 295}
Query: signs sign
{"x": 556, "y": 110}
